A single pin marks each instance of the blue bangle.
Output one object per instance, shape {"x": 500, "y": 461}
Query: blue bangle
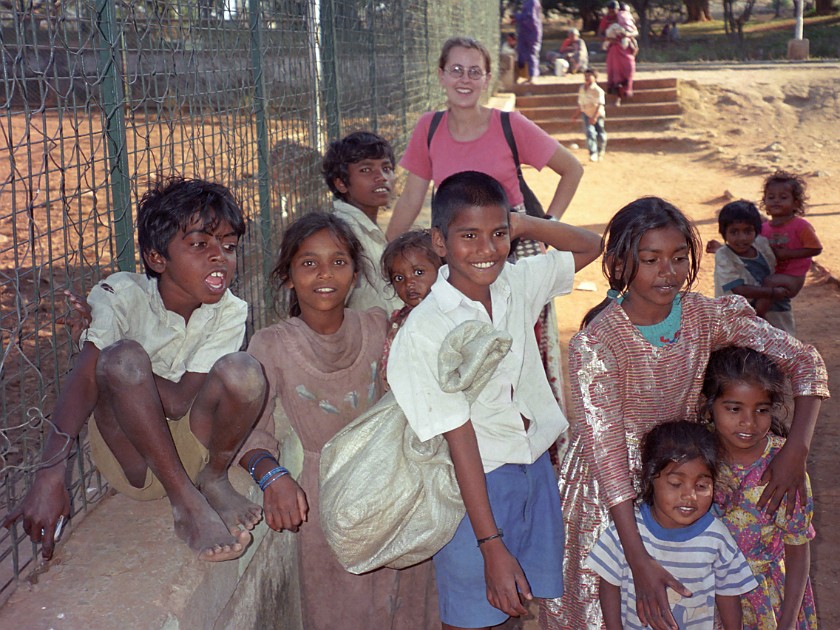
{"x": 271, "y": 476}
{"x": 273, "y": 479}
{"x": 256, "y": 459}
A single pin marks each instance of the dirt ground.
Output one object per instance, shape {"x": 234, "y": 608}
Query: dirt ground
{"x": 739, "y": 125}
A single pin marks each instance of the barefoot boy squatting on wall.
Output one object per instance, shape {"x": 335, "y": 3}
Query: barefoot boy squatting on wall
{"x": 172, "y": 399}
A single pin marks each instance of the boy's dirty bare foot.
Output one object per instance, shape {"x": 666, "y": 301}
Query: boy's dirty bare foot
{"x": 197, "y": 524}
{"x": 235, "y": 510}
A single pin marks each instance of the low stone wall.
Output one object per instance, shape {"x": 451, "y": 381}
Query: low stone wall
{"x": 123, "y": 567}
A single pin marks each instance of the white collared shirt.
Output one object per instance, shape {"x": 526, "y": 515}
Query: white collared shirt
{"x": 591, "y": 100}
{"x": 371, "y": 288}
{"x": 128, "y": 305}
{"x": 518, "y": 387}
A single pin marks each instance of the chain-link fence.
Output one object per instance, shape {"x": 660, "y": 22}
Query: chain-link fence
{"x": 101, "y": 97}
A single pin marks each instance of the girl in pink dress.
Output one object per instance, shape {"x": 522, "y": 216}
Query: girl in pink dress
{"x": 792, "y": 238}
{"x": 640, "y": 361}
{"x": 321, "y": 368}
{"x": 742, "y": 390}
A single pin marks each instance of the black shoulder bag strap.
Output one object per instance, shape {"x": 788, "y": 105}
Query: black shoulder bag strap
{"x": 432, "y": 129}
{"x": 505, "y": 116}
{"x": 533, "y": 207}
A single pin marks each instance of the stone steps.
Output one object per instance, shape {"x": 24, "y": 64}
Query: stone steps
{"x": 569, "y": 98}
{"x": 654, "y": 107}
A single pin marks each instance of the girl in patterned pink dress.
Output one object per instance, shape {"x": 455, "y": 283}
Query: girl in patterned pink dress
{"x": 640, "y": 361}
{"x": 410, "y": 264}
{"x": 742, "y": 389}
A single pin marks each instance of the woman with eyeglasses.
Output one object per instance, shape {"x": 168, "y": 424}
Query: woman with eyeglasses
{"x": 469, "y": 137}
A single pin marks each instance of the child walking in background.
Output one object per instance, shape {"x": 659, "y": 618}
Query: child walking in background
{"x": 679, "y": 465}
{"x": 745, "y": 265}
{"x": 591, "y": 101}
{"x": 359, "y": 170}
{"x": 505, "y": 549}
{"x": 742, "y": 390}
{"x": 321, "y": 367}
{"x": 410, "y": 264}
{"x": 640, "y": 361}
{"x": 792, "y": 238}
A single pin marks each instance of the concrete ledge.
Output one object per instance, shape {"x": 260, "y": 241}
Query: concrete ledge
{"x": 123, "y": 567}
{"x": 505, "y": 101}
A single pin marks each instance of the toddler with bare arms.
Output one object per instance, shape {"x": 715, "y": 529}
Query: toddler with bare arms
{"x": 172, "y": 399}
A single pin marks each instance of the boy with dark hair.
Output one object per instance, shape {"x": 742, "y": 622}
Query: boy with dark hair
{"x": 359, "y": 170}
{"x": 172, "y": 399}
{"x": 745, "y": 265}
{"x": 510, "y": 543}
{"x": 591, "y": 107}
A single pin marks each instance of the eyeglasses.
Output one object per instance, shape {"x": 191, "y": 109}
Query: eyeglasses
{"x": 473, "y": 72}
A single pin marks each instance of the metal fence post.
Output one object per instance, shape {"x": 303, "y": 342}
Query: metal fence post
{"x": 403, "y": 66}
{"x": 263, "y": 184}
{"x": 329, "y": 64}
{"x": 374, "y": 118}
{"x": 113, "y": 100}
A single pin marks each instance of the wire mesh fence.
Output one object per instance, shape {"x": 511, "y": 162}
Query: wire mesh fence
{"x": 102, "y": 97}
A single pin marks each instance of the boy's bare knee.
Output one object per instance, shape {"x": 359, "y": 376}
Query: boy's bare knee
{"x": 241, "y": 375}
{"x": 123, "y": 363}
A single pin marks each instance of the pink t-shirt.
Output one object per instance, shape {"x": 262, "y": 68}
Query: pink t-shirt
{"x": 488, "y": 154}
{"x": 794, "y": 234}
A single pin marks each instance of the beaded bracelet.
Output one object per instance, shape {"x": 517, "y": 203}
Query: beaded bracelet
{"x": 499, "y": 534}
{"x": 256, "y": 459}
{"x": 271, "y": 476}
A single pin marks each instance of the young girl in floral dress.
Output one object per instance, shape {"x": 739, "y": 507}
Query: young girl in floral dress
{"x": 742, "y": 390}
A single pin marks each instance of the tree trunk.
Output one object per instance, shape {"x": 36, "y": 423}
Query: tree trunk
{"x": 698, "y": 10}
{"x": 824, "y": 7}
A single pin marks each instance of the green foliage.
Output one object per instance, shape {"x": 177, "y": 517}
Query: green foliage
{"x": 708, "y": 41}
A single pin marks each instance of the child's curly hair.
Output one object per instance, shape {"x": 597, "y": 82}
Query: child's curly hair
{"x": 420, "y": 240}
{"x": 355, "y": 147}
{"x": 797, "y": 188}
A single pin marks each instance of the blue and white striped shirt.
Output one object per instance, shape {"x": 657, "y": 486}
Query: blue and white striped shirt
{"x": 703, "y": 556}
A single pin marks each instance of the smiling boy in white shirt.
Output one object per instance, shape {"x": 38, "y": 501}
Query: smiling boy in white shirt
{"x": 513, "y": 531}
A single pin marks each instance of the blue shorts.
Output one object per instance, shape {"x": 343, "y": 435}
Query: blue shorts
{"x": 526, "y": 505}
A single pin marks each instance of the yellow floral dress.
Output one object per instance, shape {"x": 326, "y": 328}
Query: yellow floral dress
{"x": 762, "y": 539}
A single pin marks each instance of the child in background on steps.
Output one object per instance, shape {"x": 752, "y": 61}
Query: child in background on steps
{"x": 591, "y": 108}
